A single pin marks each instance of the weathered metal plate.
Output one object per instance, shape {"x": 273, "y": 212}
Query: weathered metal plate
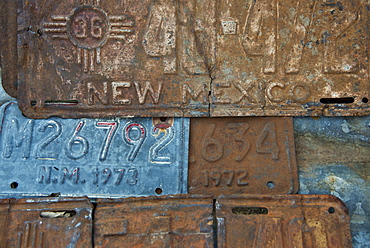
{"x": 93, "y": 157}
{"x": 282, "y": 221}
{"x": 113, "y": 58}
{"x": 102, "y": 58}
{"x": 250, "y": 155}
{"x": 285, "y": 57}
{"x": 48, "y": 222}
{"x": 333, "y": 158}
{"x": 172, "y": 221}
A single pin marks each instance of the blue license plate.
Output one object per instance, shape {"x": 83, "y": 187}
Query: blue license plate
{"x": 94, "y": 157}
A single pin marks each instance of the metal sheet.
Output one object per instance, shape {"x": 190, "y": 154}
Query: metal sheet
{"x": 250, "y": 155}
{"x": 113, "y": 58}
{"x": 172, "y": 221}
{"x": 49, "y": 222}
{"x": 188, "y": 58}
{"x": 333, "y": 158}
{"x": 93, "y": 157}
{"x": 286, "y": 57}
{"x": 282, "y": 221}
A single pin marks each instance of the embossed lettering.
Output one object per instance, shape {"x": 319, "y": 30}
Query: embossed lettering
{"x": 160, "y": 36}
{"x": 279, "y": 92}
{"x": 112, "y": 128}
{"x": 212, "y": 149}
{"x": 260, "y": 33}
{"x": 225, "y": 177}
{"x": 142, "y": 94}
{"x": 41, "y": 148}
{"x": 195, "y": 94}
{"x": 267, "y": 141}
{"x": 117, "y": 88}
{"x": 134, "y": 134}
{"x": 73, "y": 175}
{"x": 44, "y": 174}
{"x": 94, "y": 92}
{"x": 239, "y": 137}
{"x": 77, "y": 141}
{"x": 219, "y": 95}
{"x": 16, "y": 137}
{"x": 333, "y": 63}
{"x": 154, "y": 151}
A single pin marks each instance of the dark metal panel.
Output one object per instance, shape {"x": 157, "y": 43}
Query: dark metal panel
{"x": 49, "y": 222}
{"x": 171, "y": 221}
{"x": 282, "y": 221}
{"x": 242, "y": 155}
{"x": 333, "y": 158}
{"x": 93, "y": 157}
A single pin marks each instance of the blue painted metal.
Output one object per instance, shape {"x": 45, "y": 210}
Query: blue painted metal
{"x": 94, "y": 157}
{"x": 333, "y": 156}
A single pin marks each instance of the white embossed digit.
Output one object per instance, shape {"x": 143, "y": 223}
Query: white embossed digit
{"x": 135, "y": 142}
{"x": 57, "y": 131}
{"x": 112, "y": 128}
{"x": 154, "y": 151}
{"x": 77, "y": 141}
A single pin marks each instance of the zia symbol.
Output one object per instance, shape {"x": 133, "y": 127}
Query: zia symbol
{"x": 88, "y": 27}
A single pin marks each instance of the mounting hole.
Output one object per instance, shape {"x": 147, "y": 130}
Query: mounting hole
{"x": 14, "y": 185}
{"x": 365, "y": 100}
{"x": 271, "y": 184}
{"x": 163, "y": 119}
{"x": 158, "y": 191}
{"x": 331, "y": 210}
{"x": 33, "y": 103}
{"x": 339, "y": 100}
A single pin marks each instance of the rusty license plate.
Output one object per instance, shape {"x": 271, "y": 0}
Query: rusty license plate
{"x": 285, "y": 57}
{"x": 172, "y": 221}
{"x": 250, "y": 155}
{"x": 93, "y": 157}
{"x": 47, "y": 222}
{"x": 101, "y": 58}
{"x": 282, "y": 221}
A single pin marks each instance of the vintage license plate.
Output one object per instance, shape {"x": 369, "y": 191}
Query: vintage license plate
{"x": 171, "y": 221}
{"x": 284, "y": 57}
{"x": 282, "y": 221}
{"x": 250, "y": 155}
{"x": 93, "y": 157}
{"x": 101, "y": 58}
{"x": 46, "y": 222}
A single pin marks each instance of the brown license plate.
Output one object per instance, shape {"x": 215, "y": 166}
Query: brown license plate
{"x": 250, "y": 155}
{"x": 46, "y": 222}
{"x": 172, "y": 221}
{"x": 282, "y": 221}
{"x": 95, "y": 58}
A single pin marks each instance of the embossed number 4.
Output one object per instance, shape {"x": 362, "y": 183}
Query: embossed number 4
{"x": 267, "y": 142}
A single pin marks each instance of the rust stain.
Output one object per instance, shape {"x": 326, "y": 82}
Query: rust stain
{"x": 242, "y": 155}
{"x": 186, "y": 58}
{"x": 284, "y": 221}
{"x": 46, "y": 222}
{"x": 170, "y": 221}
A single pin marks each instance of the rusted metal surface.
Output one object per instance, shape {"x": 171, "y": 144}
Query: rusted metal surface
{"x": 250, "y": 155}
{"x": 100, "y": 58}
{"x": 333, "y": 158}
{"x": 292, "y": 58}
{"x": 172, "y": 221}
{"x": 282, "y": 221}
{"x": 116, "y": 157}
{"x": 8, "y": 46}
{"x": 47, "y": 222}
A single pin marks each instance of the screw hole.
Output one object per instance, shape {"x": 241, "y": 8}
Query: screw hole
{"x": 163, "y": 119}
{"x": 158, "y": 191}
{"x": 271, "y": 185}
{"x": 14, "y": 185}
{"x": 365, "y": 100}
{"x": 331, "y": 210}
{"x": 33, "y": 103}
